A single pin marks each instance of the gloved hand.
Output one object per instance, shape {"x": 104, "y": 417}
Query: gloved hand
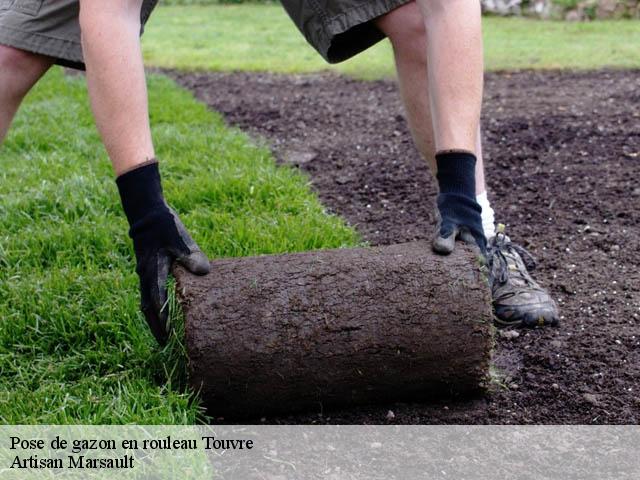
{"x": 159, "y": 238}
{"x": 459, "y": 214}
{"x": 163, "y": 240}
{"x": 458, "y": 218}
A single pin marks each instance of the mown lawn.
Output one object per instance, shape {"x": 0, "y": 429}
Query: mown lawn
{"x": 261, "y": 37}
{"x": 73, "y": 346}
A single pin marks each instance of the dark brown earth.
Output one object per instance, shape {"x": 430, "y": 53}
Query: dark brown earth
{"x": 286, "y": 333}
{"x": 563, "y": 163}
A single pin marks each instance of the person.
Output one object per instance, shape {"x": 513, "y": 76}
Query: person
{"x": 437, "y": 47}
{"x": 104, "y": 37}
{"x": 442, "y": 102}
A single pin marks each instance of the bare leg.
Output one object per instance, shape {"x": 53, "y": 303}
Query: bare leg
{"x": 19, "y": 72}
{"x": 406, "y": 30}
{"x": 116, "y": 79}
{"x": 454, "y": 51}
{"x": 514, "y": 304}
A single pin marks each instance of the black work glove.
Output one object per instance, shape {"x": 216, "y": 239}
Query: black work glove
{"x": 459, "y": 219}
{"x": 459, "y": 214}
{"x": 159, "y": 238}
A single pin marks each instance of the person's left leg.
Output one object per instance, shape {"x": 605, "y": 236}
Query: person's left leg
{"x": 407, "y": 33}
{"x": 518, "y": 299}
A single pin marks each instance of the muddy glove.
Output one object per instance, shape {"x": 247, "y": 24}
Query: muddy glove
{"x": 159, "y": 238}
{"x": 459, "y": 215}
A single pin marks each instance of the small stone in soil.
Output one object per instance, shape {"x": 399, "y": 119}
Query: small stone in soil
{"x": 591, "y": 398}
{"x": 296, "y": 157}
{"x": 509, "y": 334}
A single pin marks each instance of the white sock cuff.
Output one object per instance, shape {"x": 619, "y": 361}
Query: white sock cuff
{"x": 488, "y": 215}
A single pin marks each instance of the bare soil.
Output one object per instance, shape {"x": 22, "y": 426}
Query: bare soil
{"x": 562, "y": 153}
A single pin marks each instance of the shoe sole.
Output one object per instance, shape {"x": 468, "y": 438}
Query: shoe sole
{"x": 527, "y": 322}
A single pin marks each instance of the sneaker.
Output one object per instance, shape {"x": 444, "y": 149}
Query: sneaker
{"x": 518, "y": 300}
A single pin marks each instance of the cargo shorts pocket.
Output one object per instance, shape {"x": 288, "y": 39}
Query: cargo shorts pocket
{"x": 28, "y": 7}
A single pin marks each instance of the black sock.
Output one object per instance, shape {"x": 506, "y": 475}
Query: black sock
{"x": 150, "y": 220}
{"x": 457, "y": 173}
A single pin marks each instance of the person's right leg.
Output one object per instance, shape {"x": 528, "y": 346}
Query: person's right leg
{"x": 19, "y": 72}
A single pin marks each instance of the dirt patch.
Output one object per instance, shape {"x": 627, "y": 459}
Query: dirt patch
{"x": 563, "y": 156}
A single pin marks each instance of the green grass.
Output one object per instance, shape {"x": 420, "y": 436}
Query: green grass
{"x": 262, "y": 38}
{"x": 73, "y": 346}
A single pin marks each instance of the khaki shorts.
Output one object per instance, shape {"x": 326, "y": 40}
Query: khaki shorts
{"x": 49, "y": 27}
{"x": 339, "y": 29}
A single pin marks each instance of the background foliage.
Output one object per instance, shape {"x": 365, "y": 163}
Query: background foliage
{"x": 572, "y": 10}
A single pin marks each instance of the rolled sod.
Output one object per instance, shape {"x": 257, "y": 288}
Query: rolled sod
{"x": 314, "y": 330}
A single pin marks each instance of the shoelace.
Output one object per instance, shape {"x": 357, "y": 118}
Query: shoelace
{"x": 498, "y": 257}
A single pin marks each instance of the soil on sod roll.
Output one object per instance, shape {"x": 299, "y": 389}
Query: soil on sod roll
{"x": 563, "y": 162}
{"x": 279, "y": 334}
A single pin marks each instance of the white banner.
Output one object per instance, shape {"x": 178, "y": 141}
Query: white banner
{"x": 321, "y": 452}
